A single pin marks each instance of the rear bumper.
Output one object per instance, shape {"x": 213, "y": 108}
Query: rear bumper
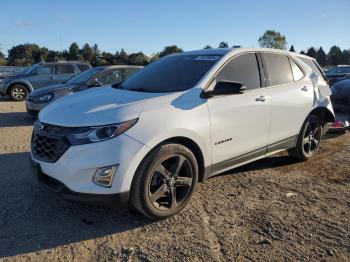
{"x": 110, "y": 200}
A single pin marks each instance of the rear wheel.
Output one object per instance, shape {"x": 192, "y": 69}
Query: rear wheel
{"x": 309, "y": 139}
{"x": 18, "y": 92}
{"x": 165, "y": 181}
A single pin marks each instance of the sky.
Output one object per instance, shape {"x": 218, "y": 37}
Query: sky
{"x": 150, "y": 25}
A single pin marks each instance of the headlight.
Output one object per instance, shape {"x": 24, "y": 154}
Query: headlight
{"x": 86, "y": 135}
{"x": 42, "y": 98}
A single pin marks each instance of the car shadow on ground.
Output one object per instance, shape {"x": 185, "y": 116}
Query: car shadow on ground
{"x": 265, "y": 163}
{"x": 33, "y": 218}
{"x": 15, "y": 119}
{"x": 7, "y": 99}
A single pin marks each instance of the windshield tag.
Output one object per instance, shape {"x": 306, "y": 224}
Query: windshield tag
{"x": 206, "y": 58}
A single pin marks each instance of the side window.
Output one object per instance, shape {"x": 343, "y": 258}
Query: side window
{"x": 297, "y": 73}
{"x": 279, "y": 69}
{"x": 130, "y": 71}
{"x": 66, "y": 69}
{"x": 243, "y": 69}
{"x": 46, "y": 70}
{"x": 83, "y": 67}
{"x": 110, "y": 77}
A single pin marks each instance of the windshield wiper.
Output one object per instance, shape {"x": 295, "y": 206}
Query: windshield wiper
{"x": 140, "y": 89}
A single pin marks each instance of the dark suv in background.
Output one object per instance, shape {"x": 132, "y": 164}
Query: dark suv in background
{"x": 338, "y": 73}
{"x": 40, "y": 75}
{"x": 94, "y": 77}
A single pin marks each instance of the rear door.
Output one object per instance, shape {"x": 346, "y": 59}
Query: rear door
{"x": 65, "y": 71}
{"x": 239, "y": 122}
{"x": 291, "y": 99}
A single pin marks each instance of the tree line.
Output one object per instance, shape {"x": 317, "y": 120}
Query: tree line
{"x": 335, "y": 56}
{"x": 27, "y": 54}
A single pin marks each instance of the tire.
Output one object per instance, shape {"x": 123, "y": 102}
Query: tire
{"x": 165, "y": 181}
{"x": 18, "y": 92}
{"x": 309, "y": 139}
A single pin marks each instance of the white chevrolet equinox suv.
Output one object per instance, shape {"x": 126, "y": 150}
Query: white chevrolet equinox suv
{"x": 182, "y": 119}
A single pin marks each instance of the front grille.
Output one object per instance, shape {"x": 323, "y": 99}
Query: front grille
{"x": 49, "y": 142}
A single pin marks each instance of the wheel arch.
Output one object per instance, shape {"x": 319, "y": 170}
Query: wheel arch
{"x": 324, "y": 114}
{"x": 195, "y": 149}
{"x": 190, "y": 143}
{"x": 25, "y": 84}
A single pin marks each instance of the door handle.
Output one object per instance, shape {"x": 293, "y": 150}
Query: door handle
{"x": 53, "y": 77}
{"x": 304, "y": 89}
{"x": 260, "y": 99}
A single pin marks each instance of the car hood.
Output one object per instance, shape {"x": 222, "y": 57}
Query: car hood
{"x": 50, "y": 88}
{"x": 335, "y": 75}
{"x": 16, "y": 76}
{"x": 101, "y": 106}
{"x": 341, "y": 88}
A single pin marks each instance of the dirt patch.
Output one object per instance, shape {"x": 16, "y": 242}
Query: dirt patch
{"x": 273, "y": 209}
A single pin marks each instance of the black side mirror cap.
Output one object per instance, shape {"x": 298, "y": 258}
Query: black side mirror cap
{"x": 226, "y": 88}
{"x": 95, "y": 83}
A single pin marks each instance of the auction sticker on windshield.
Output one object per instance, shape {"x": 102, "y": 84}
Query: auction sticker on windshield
{"x": 207, "y": 58}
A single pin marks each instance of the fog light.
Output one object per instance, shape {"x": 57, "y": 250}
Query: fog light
{"x": 104, "y": 176}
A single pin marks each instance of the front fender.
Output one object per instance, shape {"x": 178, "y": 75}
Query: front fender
{"x": 154, "y": 142}
{"x": 18, "y": 81}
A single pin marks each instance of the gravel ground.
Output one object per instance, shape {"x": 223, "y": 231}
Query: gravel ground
{"x": 275, "y": 209}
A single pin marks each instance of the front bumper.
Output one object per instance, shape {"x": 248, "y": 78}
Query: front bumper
{"x": 78, "y": 165}
{"x": 34, "y": 108}
{"x": 118, "y": 199}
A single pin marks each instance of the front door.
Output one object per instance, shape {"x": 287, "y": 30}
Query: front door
{"x": 239, "y": 122}
{"x": 44, "y": 75}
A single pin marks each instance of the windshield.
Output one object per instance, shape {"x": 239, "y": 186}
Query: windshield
{"x": 29, "y": 69}
{"x": 84, "y": 76}
{"x": 171, "y": 74}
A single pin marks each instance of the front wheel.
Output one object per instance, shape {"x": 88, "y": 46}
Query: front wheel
{"x": 165, "y": 181}
{"x": 18, "y": 92}
{"x": 309, "y": 139}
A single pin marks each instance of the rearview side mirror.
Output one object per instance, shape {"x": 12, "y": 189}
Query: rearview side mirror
{"x": 226, "y": 88}
{"x": 95, "y": 82}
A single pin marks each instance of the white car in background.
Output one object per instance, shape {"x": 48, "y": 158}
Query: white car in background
{"x": 182, "y": 119}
